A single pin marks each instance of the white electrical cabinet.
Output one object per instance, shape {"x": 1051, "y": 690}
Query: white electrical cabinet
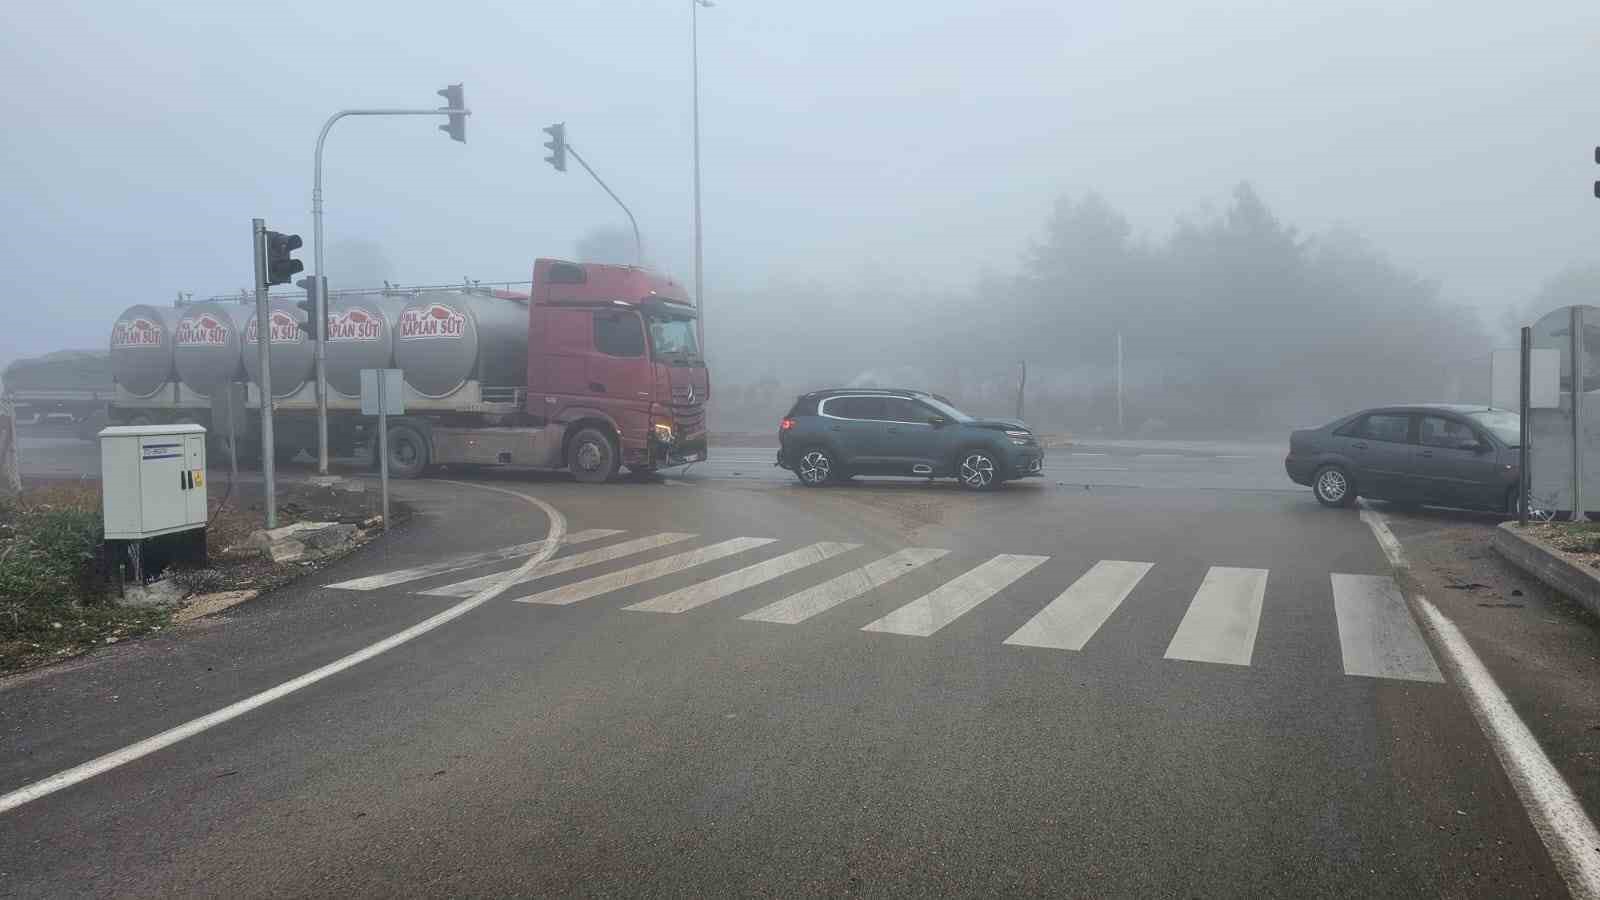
{"x": 153, "y": 479}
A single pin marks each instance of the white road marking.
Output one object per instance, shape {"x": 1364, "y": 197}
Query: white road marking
{"x": 1386, "y": 539}
{"x": 1158, "y": 456}
{"x": 1070, "y": 620}
{"x": 1220, "y": 626}
{"x": 1233, "y": 456}
{"x": 685, "y": 599}
{"x": 76, "y": 774}
{"x": 1566, "y": 829}
{"x": 1377, "y": 635}
{"x": 464, "y": 561}
{"x": 1094, "y": 469}
{"x": 568, "y": 563}
{"x": 932, "y": 611}
{"x": 612, "y": 581}
{"x": 799, "y": 607}
{"x": 1078, "y": 453}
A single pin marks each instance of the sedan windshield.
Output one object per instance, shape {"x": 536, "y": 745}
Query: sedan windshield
{"x": 673, "y": 337}
{"x": 1507, "y": 426}
{"x": 945, "y": 409}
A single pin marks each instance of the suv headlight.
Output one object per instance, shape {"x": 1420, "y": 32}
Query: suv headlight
{"x": 1020, "y": 438}
{"x": 663, "y": 432}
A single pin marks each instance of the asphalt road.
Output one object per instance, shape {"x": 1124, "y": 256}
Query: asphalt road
{"x": 1157, "y": 672}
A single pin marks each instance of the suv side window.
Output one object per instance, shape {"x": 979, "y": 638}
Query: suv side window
{"x": 855, "y": 407}
{"x": 1437, "y": 431}
{"x": 618, "y": 334}
{"x": 902, "y": 409}
{"x": 1391, "y": 427}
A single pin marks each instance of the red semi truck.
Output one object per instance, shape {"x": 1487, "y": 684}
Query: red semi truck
{"x": 597, "y": 368}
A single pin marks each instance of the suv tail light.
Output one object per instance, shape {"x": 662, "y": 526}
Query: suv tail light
{"x": 786, "y": 424}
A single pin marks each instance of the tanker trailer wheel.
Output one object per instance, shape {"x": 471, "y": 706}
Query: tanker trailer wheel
{"x": 592, "y": 456}
{"x": 408, "y": 451}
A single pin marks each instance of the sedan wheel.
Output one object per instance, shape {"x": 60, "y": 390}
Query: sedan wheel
{"x": 1332, "y": 487}
{"x": 978, "y": 472}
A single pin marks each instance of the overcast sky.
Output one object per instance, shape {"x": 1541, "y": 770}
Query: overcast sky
{"x": 929, "y": 135}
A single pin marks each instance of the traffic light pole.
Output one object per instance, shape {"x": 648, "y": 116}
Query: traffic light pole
{"x": 638, "y": 245}
{"x": 321, "y": 275}
{"x": 258, "y": 237}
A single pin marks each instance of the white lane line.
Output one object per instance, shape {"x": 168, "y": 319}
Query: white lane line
{"x": 464, "y": 561}
{"x": 1386, "y": 539}
{"x": 85, "y": 771}
{"x": 797, "y": 608}
{"x": 932, "y": 611}
{"x": 1072, "y": 618}
{"x": 1566, "y": 829}
{"x": 1158, "y": 456}
{"x": 685, "y": 599}
{"x": 1377, "y": 636}
{"x": 1079, "y": 453}
{"x": 568, "y": 563}
{"x": 1233, "y": 456}
{"x": 1220, "y": 626}
{"x": 612, "y": 581}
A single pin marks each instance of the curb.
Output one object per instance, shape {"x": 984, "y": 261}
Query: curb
{"x": 1576, "y": 583}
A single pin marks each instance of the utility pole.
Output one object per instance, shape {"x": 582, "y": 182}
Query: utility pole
{"x": 1022, "y": 385}
{"x": 258, "y": 239}
{"x": 10, "y": 468}
{"x": 457, "y": 112}
{"x": 1119, "y": 383}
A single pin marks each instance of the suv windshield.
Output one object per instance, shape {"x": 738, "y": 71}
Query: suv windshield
{"x": 945, "y": 409}
{"x": 1507, "y": 426}
{"x": 673, "y": 338}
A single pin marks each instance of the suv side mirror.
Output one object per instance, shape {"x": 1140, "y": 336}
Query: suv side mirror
{"x": 937, "y": 421}
{"x": 1472, "y": 445}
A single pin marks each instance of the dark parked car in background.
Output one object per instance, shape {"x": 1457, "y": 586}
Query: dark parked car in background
{"x": 831, "y": 435}
{"x": 1439, "y": 454}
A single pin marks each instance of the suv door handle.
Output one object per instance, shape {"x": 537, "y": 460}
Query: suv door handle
{"x": 893, "y": 429}
{"x": 1427, "y": 453}
{"x": 833, "y": 428}
{"x": 597, "y": 387}
{"x": 1360, "y": 445}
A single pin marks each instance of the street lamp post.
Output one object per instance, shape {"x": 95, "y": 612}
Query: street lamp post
{"x": 455, "y": 110}
{"x": 699, "y": 263}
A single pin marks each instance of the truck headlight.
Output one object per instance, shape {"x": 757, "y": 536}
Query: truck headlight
{"x": 663, "y": 432}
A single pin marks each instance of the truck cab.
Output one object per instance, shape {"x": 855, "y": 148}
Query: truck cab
{"x": 613, "y": 351}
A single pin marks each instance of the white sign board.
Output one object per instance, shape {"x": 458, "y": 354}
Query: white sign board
{"x": 1544, "y": 377}
{"x": 383, "y": 392}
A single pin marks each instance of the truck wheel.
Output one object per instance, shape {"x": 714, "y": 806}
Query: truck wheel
{"x": 408, "y": 451}
{"x": 592, "y": 456}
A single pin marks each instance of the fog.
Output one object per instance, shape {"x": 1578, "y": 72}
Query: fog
{"x": 1285, "y": 209}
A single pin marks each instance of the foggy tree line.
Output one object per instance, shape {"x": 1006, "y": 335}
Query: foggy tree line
{"x": 1233, "y": 323}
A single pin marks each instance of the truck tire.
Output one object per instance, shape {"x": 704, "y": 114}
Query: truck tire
{"x": 592, "y": 456}
{"x": 408, "y": 451}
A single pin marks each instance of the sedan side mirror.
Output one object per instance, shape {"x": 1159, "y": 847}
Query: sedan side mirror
{"x": 936, "y": 421}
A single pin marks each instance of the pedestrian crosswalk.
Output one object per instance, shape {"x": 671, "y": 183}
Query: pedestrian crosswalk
{"x": 936, "y": 587}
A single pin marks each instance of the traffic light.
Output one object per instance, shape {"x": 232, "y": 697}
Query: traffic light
{"x": 557, "y": 145}
{"x": 280, "y": 265}
{"x": 457, "y": 129}
{"x": 309, "y": 305}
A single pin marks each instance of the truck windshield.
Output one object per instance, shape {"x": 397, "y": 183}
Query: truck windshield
{"x": 672, "y": 338}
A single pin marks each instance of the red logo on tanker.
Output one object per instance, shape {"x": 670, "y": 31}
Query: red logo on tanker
{"x": 355, "y": 324}
{"x": 283, "y": 327}
{"x": 204, "y": 330}
{"x": 136, "y": 332}
{"x": 434, "y": 322}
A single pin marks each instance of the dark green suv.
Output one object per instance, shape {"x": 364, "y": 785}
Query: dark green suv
{"x": 831, "y": 435}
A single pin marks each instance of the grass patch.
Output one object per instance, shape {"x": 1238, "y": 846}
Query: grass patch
{"x": 53, "y": 590}
{"x": 1572, "y": 537}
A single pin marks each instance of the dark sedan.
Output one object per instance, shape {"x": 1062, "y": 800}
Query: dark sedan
{"x": 1439, "y": 454}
